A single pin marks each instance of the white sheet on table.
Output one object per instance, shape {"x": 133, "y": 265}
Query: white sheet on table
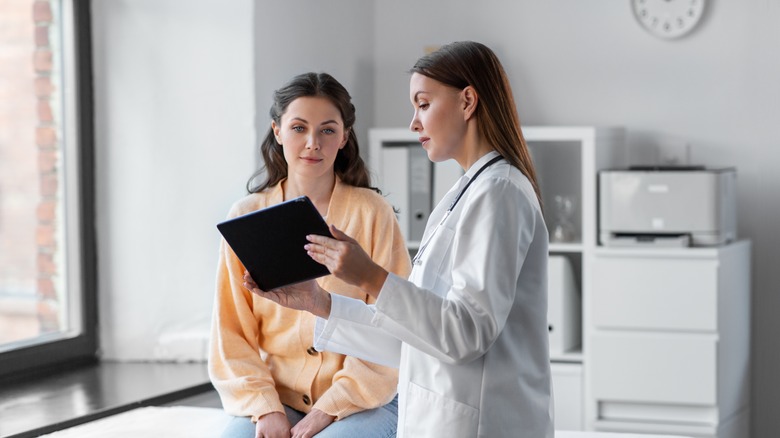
{"x": 195, "y": 422}
{"x": 169, "y": 422}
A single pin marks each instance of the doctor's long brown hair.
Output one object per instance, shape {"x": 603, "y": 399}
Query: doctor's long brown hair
{"x": 465, "y": 63}
{"x": 349, "y": 167}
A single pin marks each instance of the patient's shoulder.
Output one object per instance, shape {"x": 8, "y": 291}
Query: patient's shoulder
{"x": 249, "y": 203}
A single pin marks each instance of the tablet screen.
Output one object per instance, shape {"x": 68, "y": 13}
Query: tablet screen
{"x": 269, "y": 242}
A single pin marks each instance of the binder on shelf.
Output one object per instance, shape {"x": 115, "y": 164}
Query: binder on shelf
{"x": 420, "y": 186}
{"x": 407, "y": 179}
{"x": 564, "y": 306}
{"x": 395, "y": 181}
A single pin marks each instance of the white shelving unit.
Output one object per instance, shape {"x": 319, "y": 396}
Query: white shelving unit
{"x": 567, "y": 160}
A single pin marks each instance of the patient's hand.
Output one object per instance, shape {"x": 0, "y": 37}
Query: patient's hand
{"x": 312, "y": 424}
{"x": 273, "y": 425}
{"x": 308, "y": 296}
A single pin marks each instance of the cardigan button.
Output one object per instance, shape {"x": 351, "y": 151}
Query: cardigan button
{"x": 311, "y": 351}
{"x": 306, "y": 400}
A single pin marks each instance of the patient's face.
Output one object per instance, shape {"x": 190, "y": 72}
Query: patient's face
{"x": 311, "y": 133}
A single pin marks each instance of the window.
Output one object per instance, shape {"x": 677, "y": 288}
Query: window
{"x": 47, "y": 248}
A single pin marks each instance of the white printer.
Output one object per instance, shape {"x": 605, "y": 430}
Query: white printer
{"x": 667, "y": 206}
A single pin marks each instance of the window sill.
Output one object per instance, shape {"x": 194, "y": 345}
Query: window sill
{"x": 33, "y": 406}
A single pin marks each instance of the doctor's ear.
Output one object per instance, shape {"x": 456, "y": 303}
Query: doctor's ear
{"x": 469, "y": 100}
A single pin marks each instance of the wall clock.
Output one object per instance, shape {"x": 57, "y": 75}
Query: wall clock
{"x": 668, "y": 18}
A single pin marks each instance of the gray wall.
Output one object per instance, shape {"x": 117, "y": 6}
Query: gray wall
{"x": 298, "y": 36}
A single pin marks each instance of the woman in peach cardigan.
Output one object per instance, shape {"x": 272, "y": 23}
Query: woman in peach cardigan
{"x": 262, "y": 361}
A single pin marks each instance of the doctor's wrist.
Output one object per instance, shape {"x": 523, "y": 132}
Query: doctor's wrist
{"x": 374, "y": 282}
{"x": 323, "y": 305}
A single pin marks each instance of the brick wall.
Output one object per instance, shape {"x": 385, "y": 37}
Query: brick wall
{"x": 31, "y": 258}
{"x": 47, "y": 141}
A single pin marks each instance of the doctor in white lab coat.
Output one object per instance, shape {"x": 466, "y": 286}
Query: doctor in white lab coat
{"x": 468, "y": 329}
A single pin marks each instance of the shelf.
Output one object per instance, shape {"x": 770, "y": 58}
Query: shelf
{"x": 573, "y": 356}
{"x": 565, "y": 247}
{"x": 666, "y": 252}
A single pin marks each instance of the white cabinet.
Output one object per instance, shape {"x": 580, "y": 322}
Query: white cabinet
{"x": 567, "y": 160}
{"x": 568, "y": 396}
{"x": 655, "y": 293}
{"x": 669, "y": 341}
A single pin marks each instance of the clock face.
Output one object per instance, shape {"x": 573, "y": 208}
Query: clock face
{"x": 668, "y": 18}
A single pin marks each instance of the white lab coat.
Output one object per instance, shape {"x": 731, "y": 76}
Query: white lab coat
{"x": 468, "y": 330}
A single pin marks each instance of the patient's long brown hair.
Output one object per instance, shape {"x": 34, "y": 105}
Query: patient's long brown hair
{"x": 349, "y": 166}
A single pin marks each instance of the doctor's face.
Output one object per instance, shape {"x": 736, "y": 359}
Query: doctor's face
{"x": 438, "y": 117}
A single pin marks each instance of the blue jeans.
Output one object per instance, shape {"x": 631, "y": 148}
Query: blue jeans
{"x": 373, "y": 423}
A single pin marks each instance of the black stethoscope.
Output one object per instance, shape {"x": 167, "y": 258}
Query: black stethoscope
{"x": 417, "y": 258}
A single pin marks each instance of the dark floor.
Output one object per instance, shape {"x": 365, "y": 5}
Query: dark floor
{"x": 208, "y": 399}
{"x": 37, "y": 406}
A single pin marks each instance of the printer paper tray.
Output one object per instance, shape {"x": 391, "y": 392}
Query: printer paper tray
{"x": 648, "y": 240}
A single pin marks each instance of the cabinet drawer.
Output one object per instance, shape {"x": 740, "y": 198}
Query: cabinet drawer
{"x": 655, "y": 293}
{"x": 654, "y": 368}
{"x": 567, "y": 393}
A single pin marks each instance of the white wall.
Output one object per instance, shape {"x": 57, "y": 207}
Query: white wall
{"x": 174, "y": 106}
{"x": 575, "y": 62}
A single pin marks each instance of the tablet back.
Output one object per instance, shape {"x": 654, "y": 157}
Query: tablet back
{"x": 269, "y": 242}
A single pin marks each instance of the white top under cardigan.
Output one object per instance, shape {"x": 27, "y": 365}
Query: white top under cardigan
{"x": 468, "y": 330}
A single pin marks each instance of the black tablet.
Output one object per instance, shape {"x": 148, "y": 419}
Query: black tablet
{"x": 269, "y": 242}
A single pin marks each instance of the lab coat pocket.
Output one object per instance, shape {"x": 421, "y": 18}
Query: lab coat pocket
{"x": 435, "y": 256}
{"x": 432, "y": 414}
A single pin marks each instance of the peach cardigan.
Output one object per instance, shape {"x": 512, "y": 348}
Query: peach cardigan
{"x": 261, "y": 354}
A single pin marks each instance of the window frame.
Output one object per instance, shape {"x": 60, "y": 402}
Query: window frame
{"x": 82, "y": 348}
